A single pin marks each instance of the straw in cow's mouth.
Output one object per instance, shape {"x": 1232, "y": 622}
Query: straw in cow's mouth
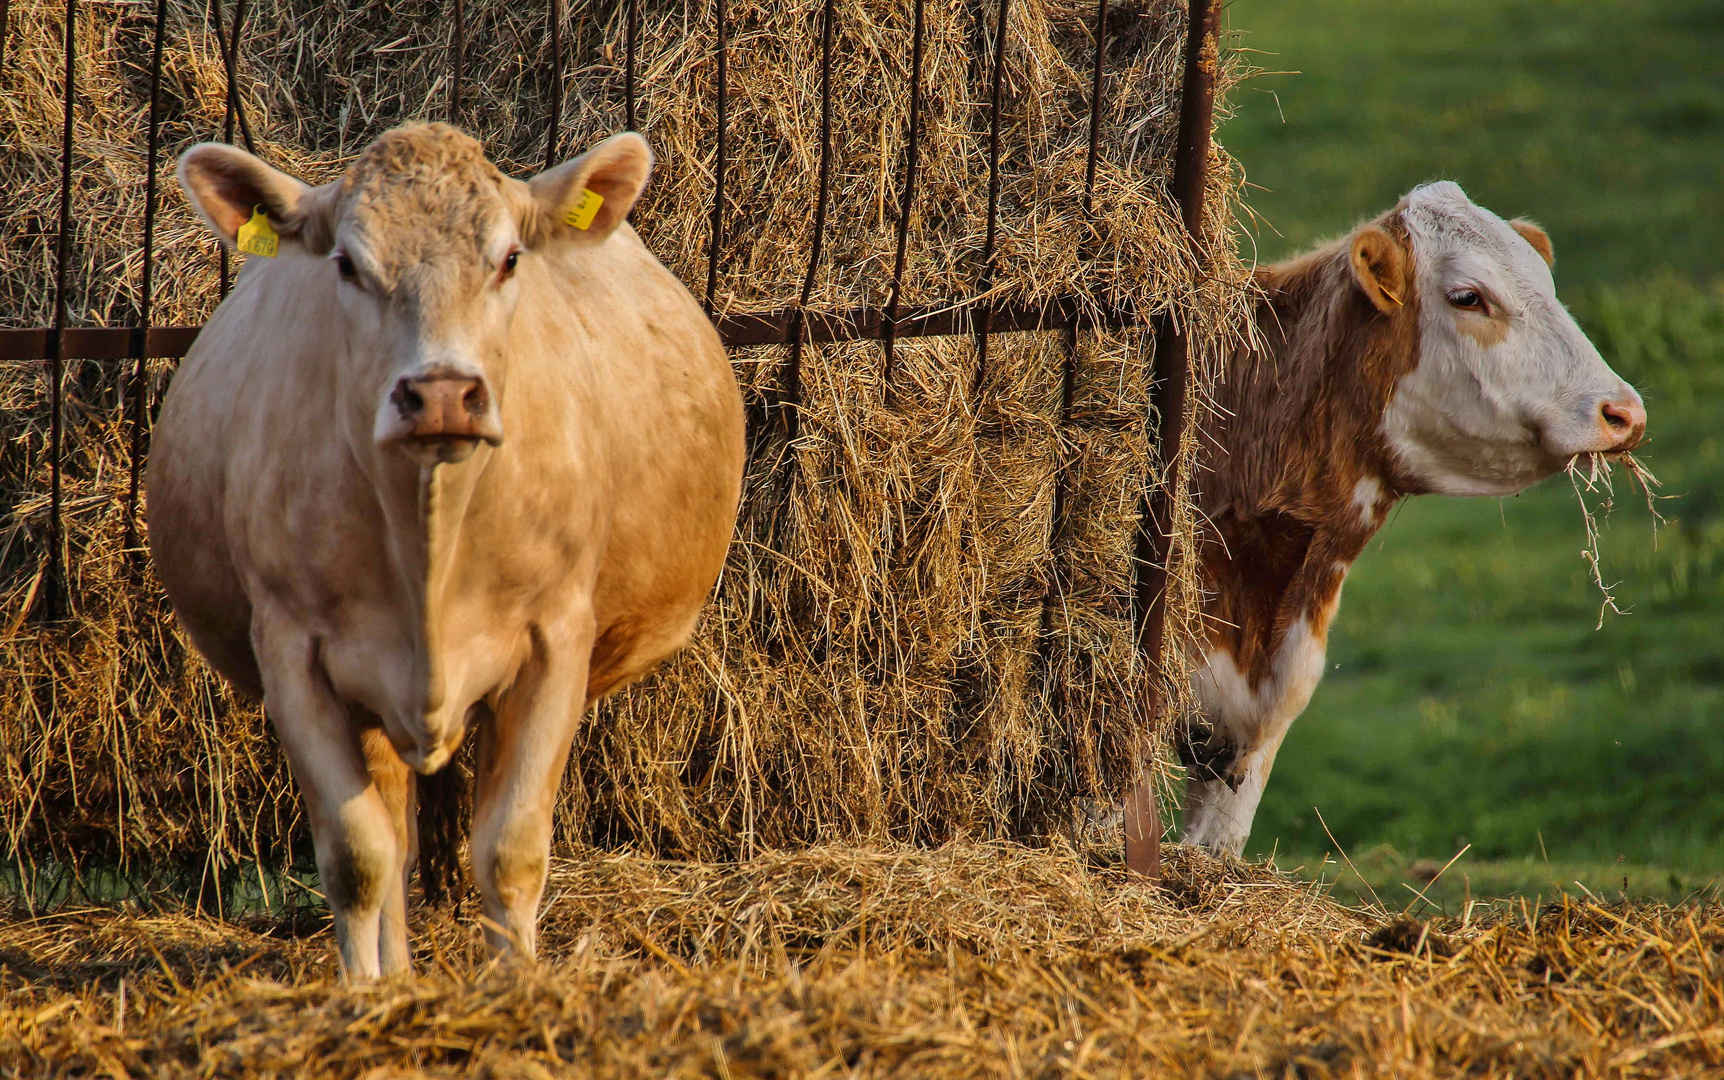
{"x": 1594, "y": 478}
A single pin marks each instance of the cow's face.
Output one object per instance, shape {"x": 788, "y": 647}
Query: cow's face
{"x": 1507, "y": 389}
{"x": 425, "y": 244}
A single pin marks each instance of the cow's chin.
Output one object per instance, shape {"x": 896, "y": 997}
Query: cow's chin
{"x": 439, "y": 449}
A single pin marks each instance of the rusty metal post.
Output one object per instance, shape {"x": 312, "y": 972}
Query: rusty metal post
{"x": 140, "y": 337}
{"x": 798, "y": 321}
{"x": 1172, "y": 378}
{"x": 889, "y": 334}
{"x": 716, "y": 241}
{"x": 631, "y": 46}
{"x": 556, "y": 120}
{"x": 53, "y": 594}
{"x": 985, "y": 324}
{"x": 229, "y": 49}
{"x": 457, "y": 61}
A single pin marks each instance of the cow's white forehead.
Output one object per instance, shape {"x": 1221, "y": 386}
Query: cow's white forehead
{"x": 1453, "y": 232}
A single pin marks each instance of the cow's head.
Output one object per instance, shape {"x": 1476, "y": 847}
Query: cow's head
{"x": 423, "y": 240}
{"x": 1507, "y": 389}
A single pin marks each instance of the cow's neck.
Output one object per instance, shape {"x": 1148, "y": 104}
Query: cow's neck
{"x": 426, "y": 510}
{"x": 445, "y": 493}
{"x": 1302, "y": 476}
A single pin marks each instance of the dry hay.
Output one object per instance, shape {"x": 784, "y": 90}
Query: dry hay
{"x": 905, "y": 645}
{"x": 969, "y": 960}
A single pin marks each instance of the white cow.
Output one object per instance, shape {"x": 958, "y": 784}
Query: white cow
{"x": 1425, "y": 352}
{"x": 456, "y": 452}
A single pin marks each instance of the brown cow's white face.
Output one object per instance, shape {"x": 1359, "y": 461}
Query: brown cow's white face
{"x": 423, "y": 239}
{"x": 1507, "y": 389}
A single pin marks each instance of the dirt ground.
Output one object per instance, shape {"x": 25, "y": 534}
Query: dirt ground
{"x": 971, "y": 960}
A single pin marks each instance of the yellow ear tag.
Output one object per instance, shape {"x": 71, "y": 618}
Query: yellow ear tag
{"x": 582, "y": 213}
{"x": 256, "y": 237}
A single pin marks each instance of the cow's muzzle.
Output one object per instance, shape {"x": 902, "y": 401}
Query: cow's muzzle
{"x": 439, "y": 417}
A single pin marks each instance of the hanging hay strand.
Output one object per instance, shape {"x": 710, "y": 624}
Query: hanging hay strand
{"x": 874, "y": 664}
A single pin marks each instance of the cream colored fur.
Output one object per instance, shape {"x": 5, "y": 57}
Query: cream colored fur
{"x": 383, "y": 600}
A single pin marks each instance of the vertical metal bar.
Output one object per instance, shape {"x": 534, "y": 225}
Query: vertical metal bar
{"x": 986, "y": 324}
{"x": 556, "y": 83}
{"x": 140, "y": 336}
{"x": 631, "y": 45}
{"x": 1069, "y": 374}
{"x": 1172, "y": 376}
{"x": 5, "y": 24}
{"x": 222, "y": 261}
{"x": 717, "y": 240}
{"x": 793, "y": 370}
{"x": 457, "y": 61}
{"x": 230, "y": 63}
{"x": 889, "y": 332}
{"x": 54, "y": 592}
{"x": 229, "y": 48}
{"x": 1095, "y": 105}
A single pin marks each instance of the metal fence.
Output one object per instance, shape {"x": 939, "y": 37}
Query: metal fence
{"x": 793, "y": 325}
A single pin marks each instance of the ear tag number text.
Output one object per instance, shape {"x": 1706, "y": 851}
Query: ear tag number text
{"x": 256, "y": 237}
{"x": 582, "y": 213}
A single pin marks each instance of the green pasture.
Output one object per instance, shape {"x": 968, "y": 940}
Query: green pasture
{"x": 1602, "y": 119}
{"x": 1470, "y": 698}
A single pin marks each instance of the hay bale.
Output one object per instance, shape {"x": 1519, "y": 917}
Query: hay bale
{"x": 970, "y": 960}
{"x": 904, "y": 644}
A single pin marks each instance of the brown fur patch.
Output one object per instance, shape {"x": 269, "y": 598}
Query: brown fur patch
{"x": 1484, "y": 329}
{"x": 1302, "y": 426}
{"x": 1379, "y": 266}
{"x": 1537, "y": 237}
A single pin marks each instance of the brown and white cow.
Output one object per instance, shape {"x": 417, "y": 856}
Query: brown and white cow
{"x": 1426, "y": 352}
{"x": 461, "y": 452}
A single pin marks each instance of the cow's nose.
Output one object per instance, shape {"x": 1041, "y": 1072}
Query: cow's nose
{"x": 444, "y": 407}
{"x": 1624, "y": 421}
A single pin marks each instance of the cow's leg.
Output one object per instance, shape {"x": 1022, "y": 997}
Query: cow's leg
{"x": 1218, "y": 812}
{"x": 522, "y": 755}
{"x": 1249, "y": 718}
{"x": 357, "y": 853}
{"x": 394, "y": 782}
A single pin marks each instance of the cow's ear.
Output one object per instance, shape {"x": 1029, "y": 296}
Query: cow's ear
{"x": 591, "y": 195}
{"x": 1537, "y": 237}
{"x": 1380, "y": 267}
{"x": 228, "y": 185}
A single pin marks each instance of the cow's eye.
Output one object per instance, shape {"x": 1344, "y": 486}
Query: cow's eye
{"x": 344, "y": 266}
{"x": 1467, "y": 300}
{"x": 509, "y": 263}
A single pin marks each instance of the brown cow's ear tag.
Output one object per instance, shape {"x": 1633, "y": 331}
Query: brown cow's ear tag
{"x": 582, "y": 213}
{"x": 255, "y": 237}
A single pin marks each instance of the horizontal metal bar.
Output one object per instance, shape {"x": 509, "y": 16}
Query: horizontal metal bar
{"x": 932, "y": 320}
{"x": 754, "y": 328}
{"x": 97, "y": 343}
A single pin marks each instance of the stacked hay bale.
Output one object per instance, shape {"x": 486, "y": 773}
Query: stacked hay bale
{"x": 906, "y": 644}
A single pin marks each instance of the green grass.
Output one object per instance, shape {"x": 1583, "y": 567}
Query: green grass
{"x": 1383, "y": 875}
{"x": 1470, "y": 699}
{"x": 1603, "y": 119}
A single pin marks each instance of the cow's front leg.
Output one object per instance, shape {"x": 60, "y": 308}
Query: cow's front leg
{"x": 1219, "y": 808}
{"x": 522, "y": 755}
{"x": 1248, "y": 717}
{"x": 358, "y": 856}
{"x": 395, "y": 784}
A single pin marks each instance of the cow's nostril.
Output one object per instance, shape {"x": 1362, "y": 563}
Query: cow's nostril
{"x": 407, "y": 399}
{"x": 1614, "y": 416}
{"x": 474, "y": 399}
